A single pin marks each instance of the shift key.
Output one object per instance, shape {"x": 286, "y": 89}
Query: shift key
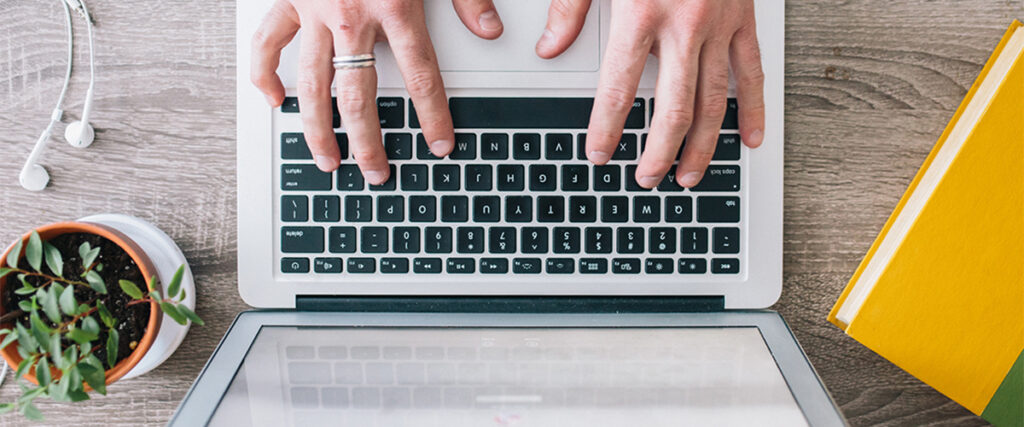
{"x": 304, "y": 177}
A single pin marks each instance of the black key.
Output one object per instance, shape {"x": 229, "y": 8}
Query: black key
{"x": 558, "y": 146}
{"x": 518, "y": 209}
{"x": 326, "y": 208}
{"x": 582, "y": 209}
{"x": 511, "y": 178}
{"x": 502, "y": 240}
{"x": 373, "y": 240}
{"x": 293, "y": 147}
{"x": 631, "y": 183}
{"x": 406, "y": 240}
{"x": 626, "y": 148}
{"x": 446, "y": 178}
{"x": 358, "y": 209}
{"x": 294, "y": 208}
{"x": 342, "y": 140}
{"x": 728, "y": 147}
{"x": 494, "y": 265}
{"x": 693, "y": 266}
{"x": 341, "y": 240}
{"x": 725, "y": 266}
{"x": 719, "y": 178}
{"x": 630, "y": 240}
{"x": 534, "y": 240}
{"x": 731, "y": 115}
{"x": 422, "y": 149}
{"x": 361, "y": 265}
{"x": 391, "y": 112}
{"x": 718, "y": 209}
{"x": 388, "y": 185}
{"x": 295, "y": 265}
{"x": 598, "y": 240}
{"x": 422, "y": 208}
{"x": 542, "y": 177}
{"x": 394, "y": 265}
{"x": 350, "y": 178}
{"x": 575, "y": 177}
{"x": 290, "y": 105}
{"x": 526, "y": 265}
{"x": 668, "y": 183}
{"x": 465, "y": 147}
{"x": 494, "y": 146}
{"x": 550, "y": 209}
{"x": 327, "y": 265}
{"x": 486, "y": 209}
{"x": 521, "y": 113}
{"x": 426, "y": 265}
{"x": 306, "y": 178}
{"x": 614, "y": 209}
{"x": 302, "y": 240}
{"x": 635, "y": 119}
{"x": 678, "y": 209}
{"x": 593, "y": 266}
{"x": 390, "y": 208}
{"x": 414, "y": 177}
{"x": 560, "y": 266}
{"x": 607, "y": 178}
{"x": 454, "y": 208}
{"x": 659, "y": 266}
{"x": 626, "y": 266}
{"x": 693, "y": 240}
{"x": 581, "y": 146}
{"x": 470, "y": 240}
{"x": 461, "y": 266}
{"x": 725, "y": 240}
{"x": 526, "y": 146}
{"x": 478, "y": 177}
{"x": 398, "y": 146}
{"x": 663, "y": 240}
{"x": 566, "y": 240}
{"x": 646, "y": 209}
{"x": 437, "y": 240}
{"x": 414, "y": 120}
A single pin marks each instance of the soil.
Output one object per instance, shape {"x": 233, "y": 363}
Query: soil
{"x": 117, "y": 265}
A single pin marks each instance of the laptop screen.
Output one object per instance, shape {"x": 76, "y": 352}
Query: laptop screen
{"x": 508, "y": 376}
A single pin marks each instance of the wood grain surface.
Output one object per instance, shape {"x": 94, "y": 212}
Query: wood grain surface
{"x": 870, "y": 84}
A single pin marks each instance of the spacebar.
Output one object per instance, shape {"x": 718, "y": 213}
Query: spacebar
{"x": 521, "y": 113}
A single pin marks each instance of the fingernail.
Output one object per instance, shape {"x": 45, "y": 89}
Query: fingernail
{"x": 599, "y": 157}
{"x": 441, "y": 146}
{"x": 546, "y": 39}
{"x": 690, "y": 179}
{"x": 649, "y": 181}
{"x": 326, "y": 164}
{"x": 489, "y": 21}
{"x": 375, "y": 177}
{"x": 756, "y": 138}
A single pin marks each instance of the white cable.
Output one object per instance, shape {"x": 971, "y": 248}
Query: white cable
{"x": 33, "y": 157}
{"x": 3, "y": 373}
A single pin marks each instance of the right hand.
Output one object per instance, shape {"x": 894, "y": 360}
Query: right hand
{"x": 351, "y": 27}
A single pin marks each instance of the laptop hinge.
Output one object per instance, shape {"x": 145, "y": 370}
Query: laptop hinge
{"x": 510, "y": 304}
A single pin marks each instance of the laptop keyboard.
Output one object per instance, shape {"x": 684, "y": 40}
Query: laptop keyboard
{"x": 516, "y": 196}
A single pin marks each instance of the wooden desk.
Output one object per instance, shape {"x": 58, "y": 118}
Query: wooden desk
{"x": 869, "y": 87}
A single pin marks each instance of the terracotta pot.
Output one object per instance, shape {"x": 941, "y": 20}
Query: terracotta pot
{"x": 47, "y": 232}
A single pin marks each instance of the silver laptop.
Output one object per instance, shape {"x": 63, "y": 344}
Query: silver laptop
{"x": 493, "y": 287}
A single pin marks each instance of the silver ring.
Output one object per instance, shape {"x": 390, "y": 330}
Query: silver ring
{"x": 354, "y": 61}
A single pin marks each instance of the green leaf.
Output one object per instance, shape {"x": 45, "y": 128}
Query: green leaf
{"x": 90, "y": 325}
{"x": 68, "y": 303}
{"x": 43, "y": 372}
{"x": 105, "y": 315}
{"x": 155, "y": 295}
{"x": 31, "y": 412}
{"x": 25, "y": 339}
{"x": 96, "y": 282}
{"x": 14, "y": 255}
{"x": 39, "y": 330}
{"x": 58, "y": 390}
{"x": 175, "y": 285}
{"x": 172, "y": 311}
{"x": 49, "y": 303}
{"x": 191, "y": 315}
{"x": 25, "y": 305}
{"x": 81, "y": 337}
{"x": 55, "y": 351}
{"x": 112, "y": 338}
{"x": 22, "y": 368}
{"x": 94, "y": 377}
{"x": 25, "y": 290}
{"x": 6, "y": 407}
{"x": 34, "y": 251}
{"x": 98, "y": 267}
{"x": 54, "y": 260}
{"x": 88, "y": 254}
{"x": 130, "y": 288}
{"x": 8, "y": 340}
{"x": 78, "y": 395}
{"x": 3, "y": 272}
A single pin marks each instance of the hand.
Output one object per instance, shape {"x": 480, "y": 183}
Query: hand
{"x": 351, "y": 27}
{"x": 694, "y": 41}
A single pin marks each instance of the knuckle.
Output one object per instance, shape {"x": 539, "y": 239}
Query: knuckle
{"x": 617, "y": 98}
{"x": 423, "y": 83}
{"x": 261, "y": 79}
{"x": 395, "y": 10}
{"x": 310, "y": 87}
{"x": 753, "y": 76}
{"x": 713, "y": 105}
{"x": 562, "y": 8}
{"x": 354, "y": 104}
{"x": 677, "y": 115}
{"x": 368, "y": 157}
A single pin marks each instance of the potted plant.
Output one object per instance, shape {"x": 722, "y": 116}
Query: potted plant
{"x": 80, "y": 306}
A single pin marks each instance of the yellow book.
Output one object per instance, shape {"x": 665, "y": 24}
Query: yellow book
{"x": 941, "y": 291}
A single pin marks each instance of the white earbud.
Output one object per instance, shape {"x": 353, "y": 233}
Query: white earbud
{"x": 80, "y": 134}
{"x": 33, "y": 177}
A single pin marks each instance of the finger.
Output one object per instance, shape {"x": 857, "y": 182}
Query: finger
{"x": 673, "y": 113}
{"x": 278, "y": 28}
{"x": 565, "y": 20}
{"x": 480, "y": 17}
{"x": 709, "y": 110}
{"x": 314, "y": 90}
{"x": 621, "y": 69}
{"x": 357, "y": 99}
{"x": 418, "y": 63}
{"x": 746, "y": 64}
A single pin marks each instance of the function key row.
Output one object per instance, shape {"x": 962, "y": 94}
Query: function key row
{"x": 399, "y": 265}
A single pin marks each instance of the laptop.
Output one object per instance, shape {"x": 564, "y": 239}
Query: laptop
{"x": 512, "y": 283}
